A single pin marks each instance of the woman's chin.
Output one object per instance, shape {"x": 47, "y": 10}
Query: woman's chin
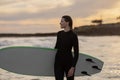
{"x": 62, "y": 27}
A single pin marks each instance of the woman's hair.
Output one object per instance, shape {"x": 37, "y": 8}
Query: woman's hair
{"x": 68, "y": 19}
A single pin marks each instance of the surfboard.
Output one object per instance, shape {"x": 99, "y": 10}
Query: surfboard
{"x": 39, "y": 61}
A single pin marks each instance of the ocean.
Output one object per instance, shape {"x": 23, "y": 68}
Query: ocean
{"x": 106, "y": 48}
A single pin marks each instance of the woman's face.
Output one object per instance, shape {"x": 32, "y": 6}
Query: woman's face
{"x": 63, "y": 23}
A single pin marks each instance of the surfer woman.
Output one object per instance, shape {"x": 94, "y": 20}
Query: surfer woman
{"x": 65, "y": 61}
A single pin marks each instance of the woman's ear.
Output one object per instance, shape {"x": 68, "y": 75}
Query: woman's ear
{"x": 67, "y": 23}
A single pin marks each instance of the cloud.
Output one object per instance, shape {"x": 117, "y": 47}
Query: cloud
{"x": 20, "y": 14}
{"x": 85, "y": 8}
{"x": 55, "y": 8}
{"x": 7, "y": 2}
{"x": 31, "y": 6}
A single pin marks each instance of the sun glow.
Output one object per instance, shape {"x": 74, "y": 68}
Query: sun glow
{"x": 49, "y": 12}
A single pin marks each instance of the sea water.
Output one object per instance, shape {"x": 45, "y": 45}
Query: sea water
{"x": 106, "y": 48}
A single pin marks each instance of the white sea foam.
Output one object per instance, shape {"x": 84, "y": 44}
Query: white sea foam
{"x": 105, "y": 48}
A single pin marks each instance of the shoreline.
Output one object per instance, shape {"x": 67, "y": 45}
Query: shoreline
{"x": 111, "y": 29}
{"x": 27, "y": 34}
{"x": 51, "y": 35}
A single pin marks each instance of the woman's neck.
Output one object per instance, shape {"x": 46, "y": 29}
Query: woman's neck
{"x": 67, "y": 29}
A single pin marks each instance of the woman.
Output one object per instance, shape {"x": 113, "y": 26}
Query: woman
{"x": 65, "y": 61}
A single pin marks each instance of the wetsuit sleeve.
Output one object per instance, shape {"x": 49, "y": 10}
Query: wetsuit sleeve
{"x": 56, "y": 45}
{"x": 76, "y": 50}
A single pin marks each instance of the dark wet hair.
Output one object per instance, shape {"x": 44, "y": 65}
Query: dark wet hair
{"x": 68, "y": 19}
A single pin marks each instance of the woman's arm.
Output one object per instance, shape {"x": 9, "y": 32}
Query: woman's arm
{"x": 76, "y": 50}
{"x": 76, "y": 55}
{"x": 56, "y": 45}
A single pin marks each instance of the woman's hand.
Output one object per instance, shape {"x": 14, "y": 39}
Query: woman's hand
{"x": 71, "y": 72}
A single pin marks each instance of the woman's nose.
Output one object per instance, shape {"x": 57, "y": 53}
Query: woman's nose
{"x": 60, "y": 23}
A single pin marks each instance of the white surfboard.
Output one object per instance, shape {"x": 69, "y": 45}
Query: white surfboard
{"x": 40, "y": 61}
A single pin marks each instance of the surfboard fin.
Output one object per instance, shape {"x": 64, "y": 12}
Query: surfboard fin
{"x": 90, "y": 60}
{"x": 85, "y": 73}
{"x": 96, "y": 67}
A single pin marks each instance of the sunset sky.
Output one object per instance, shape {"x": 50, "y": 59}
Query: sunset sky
{"x": 31, "y": 16}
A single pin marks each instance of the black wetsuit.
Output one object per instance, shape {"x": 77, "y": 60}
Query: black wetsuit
{"x": 64, "y": 58}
